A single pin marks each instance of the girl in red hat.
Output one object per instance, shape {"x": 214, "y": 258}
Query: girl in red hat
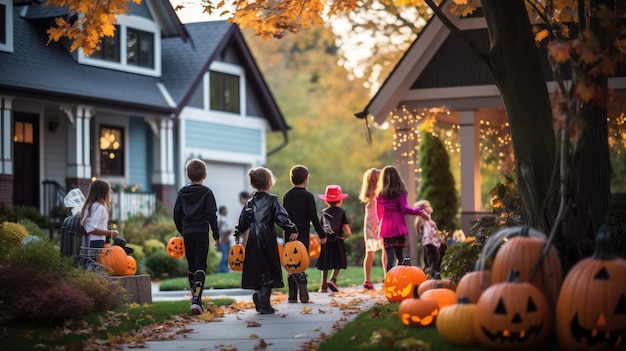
{"x": 335, "y": 223}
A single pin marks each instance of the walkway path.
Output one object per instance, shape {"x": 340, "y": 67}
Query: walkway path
{"x": 295, "y": 326}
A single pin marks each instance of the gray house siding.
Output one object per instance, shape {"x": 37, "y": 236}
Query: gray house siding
{"x": 139, "y": 156}
{"x": 222, "y": 138}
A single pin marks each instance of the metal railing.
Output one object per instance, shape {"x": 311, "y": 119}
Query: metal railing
{"x": 125, "y": 205}
{"x": 53, "y": 195}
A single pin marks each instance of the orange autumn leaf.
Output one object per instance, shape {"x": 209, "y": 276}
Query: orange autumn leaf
{"x": 584, "y": 92}
{"x": 559, "y": 51}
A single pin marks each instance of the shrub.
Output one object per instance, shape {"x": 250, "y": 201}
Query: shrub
{"x": 32, "y": 228}
{"x": 11, "y": 235}
{"x": 153, "y": 245}
{"x": 6, "y": 213}
{"x": 138, "y": 253}
{"x": 41, "y": 255}
{"x": 30, "y": 213}
{"x": 55, "y": 304}
{"x": 160, "y": 265}
{"x": 104, "y": 294}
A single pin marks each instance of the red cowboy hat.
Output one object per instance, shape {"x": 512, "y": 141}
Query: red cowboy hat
{"x": 333, "y": 194}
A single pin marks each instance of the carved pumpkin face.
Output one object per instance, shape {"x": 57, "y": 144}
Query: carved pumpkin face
{"x": 235, "y": 257}
{"x": 591, "y": 310}
{"x": 400, "y": 280}
{"x": 512, "y": 314}
{"x": 417, "y": 312}
{"x": 315, "y": 246}
{"x": 295, "y": 258}
{"x": 131, "y": 265}
{"x": 175, "y": 247}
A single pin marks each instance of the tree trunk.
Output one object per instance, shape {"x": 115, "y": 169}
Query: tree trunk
{"x": 516, "y": 67}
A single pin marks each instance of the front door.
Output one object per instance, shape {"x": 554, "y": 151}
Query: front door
{"x": 26, "y": 159}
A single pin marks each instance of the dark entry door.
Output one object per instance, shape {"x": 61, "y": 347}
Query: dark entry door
{"x": 25, "y": 159}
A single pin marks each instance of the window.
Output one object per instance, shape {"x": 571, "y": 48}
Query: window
{"x": 224, "y": 92}
{"x": 6, "y": 25}
{"x": 109, "y": 48}
{"x": 111, "y": 151}
{"x": 23, "y": 133}
{"x": 140, "y": 49}
{"x": 135, "y": 47}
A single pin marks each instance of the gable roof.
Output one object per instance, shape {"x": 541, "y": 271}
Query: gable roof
{"x": 49, "y": 72}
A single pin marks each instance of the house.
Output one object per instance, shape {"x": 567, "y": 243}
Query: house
{"x": 439, "y": 75}
{"x": 155, "y": 95}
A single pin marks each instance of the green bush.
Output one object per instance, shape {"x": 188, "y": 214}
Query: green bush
{"x": 105, "y": 294}
{"x": 11, "y": 235}
{"x": 41, "y": 255}
{"x": 153, "y": 245}
{"x": 6, "y": 213}
{"x": 160, "y": 265}
{"x": 138, "y": 252}
{"x": 32, "y": 228}
{"x": 31, "y": 213}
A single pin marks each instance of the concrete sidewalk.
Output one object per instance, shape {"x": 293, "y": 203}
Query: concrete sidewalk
{"x": 293, "y": 327}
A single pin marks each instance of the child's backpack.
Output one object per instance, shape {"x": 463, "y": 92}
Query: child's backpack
{"x": 72, "y": 234}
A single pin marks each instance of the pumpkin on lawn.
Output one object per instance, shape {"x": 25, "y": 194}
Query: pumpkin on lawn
{"x": 417, "y": 312}
{"x": 520, "y": 253}
{"x": 131, "y": 265}
{"x": 115, "y": 259}
{"x": 455, "y": 323}
{"x": 295, "y": 257}
{"x": 591, "y": 310}
{"x": 512, "y": 315}
{"x": 315, "y": 246}
{"x": 473, "y": 284}
{"x": 401, "y": 279}
{"x": 236, "y": 254}
{"x": 433, "y": 283}
{"x": 443, "y": 296}
{"x": 175, "y": 247}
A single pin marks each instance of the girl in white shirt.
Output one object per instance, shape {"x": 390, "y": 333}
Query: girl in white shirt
{"x": 95, "y": 214}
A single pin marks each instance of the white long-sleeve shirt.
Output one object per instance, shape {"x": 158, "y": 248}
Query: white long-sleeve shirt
{"x": 98, "y": 219}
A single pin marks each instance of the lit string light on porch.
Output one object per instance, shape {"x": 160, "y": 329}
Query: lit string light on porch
{"x": 617, "y": 133}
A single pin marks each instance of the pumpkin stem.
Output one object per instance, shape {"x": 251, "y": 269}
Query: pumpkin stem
{"x": 513, "y": 276}
{"x": 525, "y": 232}
{"x": 604, "y": 251}
{"x": 416, "y": 294}
{"x": 463, "y": 300}
{"x": 439, "y": 285}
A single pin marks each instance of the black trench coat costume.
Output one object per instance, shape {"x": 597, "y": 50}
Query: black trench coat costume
{"x": 261, "y": 265}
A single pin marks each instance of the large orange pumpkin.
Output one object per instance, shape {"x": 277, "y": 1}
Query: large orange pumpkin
{"x": 443, "y": 296}
{"x": 236, "y": 255}
{"x": 512, "y": 315}
{"x": 115, "y": 259}
{"x": 416, "y": 312}
{"x": 295, "y": 257}
{"x": 591, "y": 310}
{"x": 520, "y": 253}
{"x": 175, "y": 247}
{"x": 400, "y": 280}
{"x": 455, "y": 323}
{"x": 315, "y": 246}
{"x": 433, "y": 283}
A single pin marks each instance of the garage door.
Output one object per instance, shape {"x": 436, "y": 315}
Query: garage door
{"x": 227, "y": 180}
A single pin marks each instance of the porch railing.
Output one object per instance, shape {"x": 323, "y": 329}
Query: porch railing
{"x": 125, "y": 205}
{"x": 53, "y": 195}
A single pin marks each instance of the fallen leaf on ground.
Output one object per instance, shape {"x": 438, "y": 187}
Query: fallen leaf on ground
{"x": 261, "y": 345}
{"x": 252, "y": 324}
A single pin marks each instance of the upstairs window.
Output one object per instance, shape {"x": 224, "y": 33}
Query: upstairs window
{"x": 112, "y": 151}
{"x": 6, "y": 25}
{"x": 224, "y": 92}
{"x": 135, "y": 47}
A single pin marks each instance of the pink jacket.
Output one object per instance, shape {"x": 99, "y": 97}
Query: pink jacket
{"x": 392, "y": 214}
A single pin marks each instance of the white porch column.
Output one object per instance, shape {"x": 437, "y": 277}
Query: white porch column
{"x": 163, "y": 147}
{"x": 470, "y": 168}
{"x": 6, "y": 137}
{"x": 79, "y": 141}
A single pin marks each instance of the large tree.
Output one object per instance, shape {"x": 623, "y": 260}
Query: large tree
{"x": 563, "y": 177}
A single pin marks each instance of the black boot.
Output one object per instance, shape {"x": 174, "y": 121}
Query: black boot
{"x": 265, "y": 307}
{"x": 255, "y": 299}
{"x": 293, "y": 289}
{"x": 302, "y": 282}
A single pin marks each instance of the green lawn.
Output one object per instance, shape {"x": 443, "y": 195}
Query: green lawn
{"x": 352, "y": 276}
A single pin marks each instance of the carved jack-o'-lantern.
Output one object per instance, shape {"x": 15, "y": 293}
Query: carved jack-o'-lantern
{"x": 512, "y": 315}
{"x": 591, "y": 310}
{"x": 295, "y": 257}
{"x": 235, "y": 257}
{"x": 131, "y": 265}
{"x": 416, "y": 312}
{"x": 400, "y": 280}
{"x": 315, "y": 246}
{"x": 115, "y": 259}
{"x": 175, "y": 247}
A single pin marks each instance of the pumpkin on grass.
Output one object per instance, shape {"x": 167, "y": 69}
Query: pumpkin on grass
{"x": 295, "y": 257}
{"x": 417, "y": 312}
{"x": 175, "y": 247}
{"x": 455, "y": 323}
{"x": 236, "y": 255}
{"x": 401, "y": 279}
{"x": 512, "y": 315}
{"x": 591, "y": 310}
{"x": 443, "y": 296}
{"x": 433, "y": 283}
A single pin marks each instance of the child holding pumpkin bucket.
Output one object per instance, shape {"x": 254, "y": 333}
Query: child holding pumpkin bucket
{"x": 392, "y": 207}
{"x": 335, "y": 222}
{"x": 195, "y": 207}
{"x": 300, "y": 204}
{"x": 261, "y": 266}
{"x": 95, "y": 213}
{"x": 370, "y": 225}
